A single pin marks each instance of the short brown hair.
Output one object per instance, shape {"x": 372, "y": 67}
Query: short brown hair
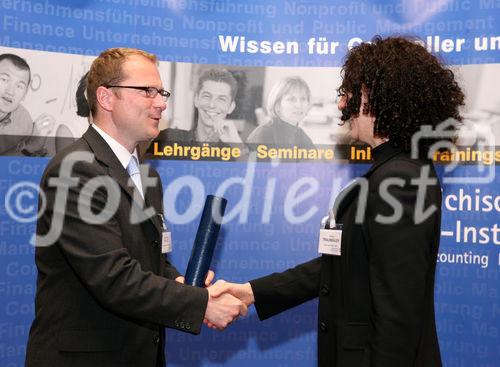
{"x": 107, "y": 70}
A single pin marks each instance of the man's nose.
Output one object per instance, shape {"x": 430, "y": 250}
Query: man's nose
{"x": 159, "y": 102}
{"x": 211, "y": 103}
{"x": 10, "y": 88}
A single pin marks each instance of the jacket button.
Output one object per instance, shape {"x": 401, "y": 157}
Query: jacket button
{"x": 156, "y": 339}
{"x": 156, "y": 243}
{"x": 324, "y": 290}
{"x": 323, "y": 326}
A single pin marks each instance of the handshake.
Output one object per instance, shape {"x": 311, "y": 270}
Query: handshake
{"x": 226, "y": 302}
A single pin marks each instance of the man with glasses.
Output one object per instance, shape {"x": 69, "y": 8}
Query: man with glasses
{"x": 104, "y": 290}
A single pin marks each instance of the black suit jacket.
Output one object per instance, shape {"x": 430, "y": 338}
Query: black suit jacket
{"x": 105, "y": 291}
{"x": 376, "y": 300}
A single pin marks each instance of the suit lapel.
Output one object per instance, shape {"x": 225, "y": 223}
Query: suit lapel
{"x": 349, "y": 203}
{"x": 388, "y": 153}
{"x": 107, "y": 158}
{"x": 350, "y": 194}
{"x": 346, "y": 198}
{"x": 151, "y": 196}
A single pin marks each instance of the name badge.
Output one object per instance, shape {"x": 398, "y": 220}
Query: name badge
{"x": 166, "y": 237}
{"x": 330, "y": 241}
{"x": 166, "y": 242}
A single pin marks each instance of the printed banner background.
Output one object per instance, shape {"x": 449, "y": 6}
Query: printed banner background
{"x": 274, "y": 208}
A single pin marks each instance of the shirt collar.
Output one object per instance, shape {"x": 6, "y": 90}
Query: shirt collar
{"x": 6, "y": 120}
{"x": 380, "y": 151}
{"x": 120, "y": 151}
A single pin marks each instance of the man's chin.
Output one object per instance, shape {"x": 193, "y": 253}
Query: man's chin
{"x": 152, "y": 134}
{"x": 5, "y": 110}
{"x": 207, "y": 122}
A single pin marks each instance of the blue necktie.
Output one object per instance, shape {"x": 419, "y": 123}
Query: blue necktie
{"x": 135, "y": 174}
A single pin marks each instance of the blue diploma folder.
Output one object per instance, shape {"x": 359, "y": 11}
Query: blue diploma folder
{"x": 206, "y": 238}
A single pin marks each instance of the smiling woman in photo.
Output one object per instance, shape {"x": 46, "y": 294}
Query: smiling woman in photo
{"x": 287, "y": 105}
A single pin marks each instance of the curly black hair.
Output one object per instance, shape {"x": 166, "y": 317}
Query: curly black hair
{"x": 405, "y": 85}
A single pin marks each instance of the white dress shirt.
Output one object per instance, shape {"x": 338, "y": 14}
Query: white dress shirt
{"x": 122, "y": 154}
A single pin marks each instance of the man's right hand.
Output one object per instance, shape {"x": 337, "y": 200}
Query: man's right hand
{"x": 227, "y": 132}
{"x": 243, "y": 292}
{"x": 223, "y": 310}
{"x": 43, "y": 125}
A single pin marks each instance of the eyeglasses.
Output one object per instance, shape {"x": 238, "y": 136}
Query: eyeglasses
{"x": 151, "y": 92}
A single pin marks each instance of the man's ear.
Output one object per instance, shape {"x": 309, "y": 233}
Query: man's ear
{"x": 231, "y": 108}
{"x": 195, "y": 100}
{"x": 28, "y": 86}
{"x": 105, "y": 98}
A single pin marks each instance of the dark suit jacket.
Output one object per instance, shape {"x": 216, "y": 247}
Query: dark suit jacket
{"x": 105, "y": 291}
{"x": 376, "y": 300}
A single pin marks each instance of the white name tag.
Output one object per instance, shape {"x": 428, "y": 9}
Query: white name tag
{"x": 166, "y": 242}
{"x": 330, "y": 241}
